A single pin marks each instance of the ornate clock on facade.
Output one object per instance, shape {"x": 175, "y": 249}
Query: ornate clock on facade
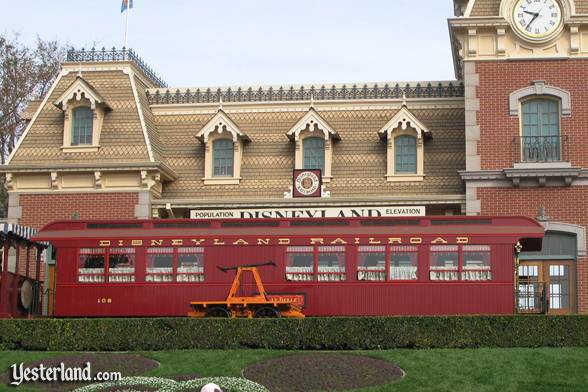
{"x": 537, "y": 20}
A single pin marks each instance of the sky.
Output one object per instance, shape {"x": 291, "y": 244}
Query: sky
{"x": 200, "y": 43}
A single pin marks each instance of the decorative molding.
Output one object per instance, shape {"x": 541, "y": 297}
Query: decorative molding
{"x": 404, "y": 120}
{"x": 9, "y": 183}
{"x": 78, "y": 90}
{"x": 540, "y": 88}
{"x": 301, "y": 106}
{"x": 220, "y": 123}
{"x": 98, "y": 179}
{"x": 526, "y": 176}
{"x": 80, "y": 148}
{"x": 579, "y": 231}
{"x": 54, "y": 180}
{"x": 167, "y": 173}
{"x": 311, "y": 122}
{"x": 141, "y": 117}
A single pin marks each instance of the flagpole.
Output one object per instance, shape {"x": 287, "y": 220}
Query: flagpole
{"x": 127, "y": 27}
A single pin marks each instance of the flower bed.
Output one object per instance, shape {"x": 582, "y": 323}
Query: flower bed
{"x": 322, "y": 372}
{"x": 228, "y": 384}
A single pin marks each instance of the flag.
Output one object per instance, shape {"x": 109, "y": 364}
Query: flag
{"x": 125, "y": 5}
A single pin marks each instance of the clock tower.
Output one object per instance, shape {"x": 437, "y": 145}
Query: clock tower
{"x": 524, "y": 64}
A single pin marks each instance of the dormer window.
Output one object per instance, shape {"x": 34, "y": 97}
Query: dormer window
{"x": 84, "y": 111}
{"x": 405, "y": 136}
{"x": 405, "y": 150}
{"x": 223, "y": 156}
{"x": 83, "y": 119}
{"x": 314, "y": 139}
{"x": 223, "y": 150}
{"x": 314, "y": 153}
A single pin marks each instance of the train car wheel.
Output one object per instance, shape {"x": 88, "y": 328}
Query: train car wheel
{"x": 218, "y": 312}
{"x": 267, "y": 312}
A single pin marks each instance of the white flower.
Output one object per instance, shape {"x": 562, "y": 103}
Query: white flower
{"x": 228, "y": 384}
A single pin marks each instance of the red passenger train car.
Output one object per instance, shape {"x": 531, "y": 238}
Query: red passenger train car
{"x": 340, "y": 267}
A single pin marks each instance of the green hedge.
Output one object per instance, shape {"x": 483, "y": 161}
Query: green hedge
{"x": 365, "y": 333}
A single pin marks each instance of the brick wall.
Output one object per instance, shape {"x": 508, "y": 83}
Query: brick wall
{"x": 500, "y": 78}
{"x": 38, "y": 210}
{"x": 567, "y": 205}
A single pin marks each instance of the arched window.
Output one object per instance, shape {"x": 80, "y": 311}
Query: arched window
{"x": 222, "y": 154}
{"x": 314, "y": 153}
{"x": 541, "y": 134}
{"x": 405, "y": 154}
{"x": 83, "y": 119}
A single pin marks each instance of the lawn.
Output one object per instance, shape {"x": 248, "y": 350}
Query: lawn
{"x": 512, "y": 369}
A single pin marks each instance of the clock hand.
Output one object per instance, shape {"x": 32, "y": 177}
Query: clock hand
{"x": 532, "y": 20}
{"x": 531, "y": 13}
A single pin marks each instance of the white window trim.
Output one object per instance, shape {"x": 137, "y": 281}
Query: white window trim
{"x": 538, "y": 89}
{"x": 404, "y": 123}
{"x": 81, "y": 94}
{"x": 529, "y": 96}
{"x": 313, "y": 125}
{"x": 222, "y": 127}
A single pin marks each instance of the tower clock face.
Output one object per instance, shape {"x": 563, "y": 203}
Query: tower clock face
{"x": 537, "y": 19}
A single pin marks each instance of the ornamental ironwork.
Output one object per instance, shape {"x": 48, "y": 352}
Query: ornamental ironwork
{"x": 306, "y": 93}
{"x": 541, "y": 148}
{"x": 112, "y": 55}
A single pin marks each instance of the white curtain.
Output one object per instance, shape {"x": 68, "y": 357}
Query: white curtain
{"x": 371, "y": 273}
{"x": 476, "y": 275}
{"x": 443, "y": 273}
{"x": 299, "y": 273}
{"x": 331, "y": 274}
{"x": 403, "y": 273}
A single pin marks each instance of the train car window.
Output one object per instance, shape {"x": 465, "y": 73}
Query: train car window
{"x": 91, "y": 265}
{"x": 403, "y": 262}
{"x": 121, "y": 265}
{"x": 300, "y": 263}
{"x": 371, "y": 264}
{"x": 331, "y": 263}
{"x": 444, "y": 262}
{"x": 190, "y": 265}
{"x": 476, "y": 262}
{"x": 159, "y": 265}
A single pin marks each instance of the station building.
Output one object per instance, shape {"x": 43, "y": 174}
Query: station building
{"x": 112, "y": 140}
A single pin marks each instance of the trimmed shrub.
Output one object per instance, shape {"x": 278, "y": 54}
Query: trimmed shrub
{"x": 336, "y": 333}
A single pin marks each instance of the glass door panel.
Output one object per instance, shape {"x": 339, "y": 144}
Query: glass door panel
{"x": 530, "y": 289}
{"x": 559, "y": 279}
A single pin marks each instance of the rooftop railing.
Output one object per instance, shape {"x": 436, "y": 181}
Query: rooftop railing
{"x": 111, "y": 55}
{"x": 306, "y": 93}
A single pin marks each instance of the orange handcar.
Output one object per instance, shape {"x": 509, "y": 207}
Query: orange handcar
{"x": 260, "y": 305}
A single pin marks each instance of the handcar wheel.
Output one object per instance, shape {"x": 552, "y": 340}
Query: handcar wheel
{"x": 218, "y": 312}
{"x": 267, "y": 312}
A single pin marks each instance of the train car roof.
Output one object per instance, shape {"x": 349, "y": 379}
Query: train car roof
{"x": 182, "y": 228}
